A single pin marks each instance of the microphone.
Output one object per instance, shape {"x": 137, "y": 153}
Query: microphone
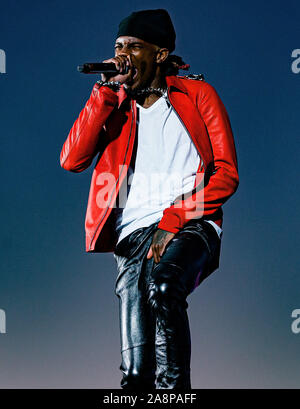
{"x": 99, "y": 67}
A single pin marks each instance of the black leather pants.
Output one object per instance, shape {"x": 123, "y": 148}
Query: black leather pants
{"x": 154, "y": 326}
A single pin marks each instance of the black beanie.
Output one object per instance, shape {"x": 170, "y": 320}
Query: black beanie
{"x": 152, "y": 26}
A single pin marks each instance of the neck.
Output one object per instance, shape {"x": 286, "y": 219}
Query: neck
{"x": 148, "y": 99}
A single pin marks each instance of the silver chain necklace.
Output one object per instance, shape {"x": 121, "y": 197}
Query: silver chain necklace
{"x": 148, "y": 90}
{"x": 115, "y": 85}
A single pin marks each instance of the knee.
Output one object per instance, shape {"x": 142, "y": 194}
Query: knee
{"x": 164, "y": 295}
{"x": 167, "y": 303}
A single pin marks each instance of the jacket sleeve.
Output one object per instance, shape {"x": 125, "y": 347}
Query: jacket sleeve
{"x": 224, "y": 180}
{"x": 80, "y": 147}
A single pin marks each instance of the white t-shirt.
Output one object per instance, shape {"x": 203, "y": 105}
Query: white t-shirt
{"x": 164, "y": 167}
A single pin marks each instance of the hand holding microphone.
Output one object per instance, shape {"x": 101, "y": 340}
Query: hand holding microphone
{"x": 118, "y": 68}
{"x": 123, "y": 66}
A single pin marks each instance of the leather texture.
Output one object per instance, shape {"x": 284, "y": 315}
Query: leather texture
{"x": 154, "y": 325}
{"x": 106, "y": 128}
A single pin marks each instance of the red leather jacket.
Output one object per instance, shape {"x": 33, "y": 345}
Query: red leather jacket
{"x": 106, "y": 126}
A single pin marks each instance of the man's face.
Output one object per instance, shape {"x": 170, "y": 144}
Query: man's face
{"x": 143, "y": 59}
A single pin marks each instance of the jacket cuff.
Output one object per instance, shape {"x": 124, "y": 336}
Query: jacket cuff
{"x": 171, "y": 222}
{"x": 108, "y": 92}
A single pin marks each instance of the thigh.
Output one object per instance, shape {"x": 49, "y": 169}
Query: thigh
{"x": 189, "y": 255}
{"x": 137, "y": 323}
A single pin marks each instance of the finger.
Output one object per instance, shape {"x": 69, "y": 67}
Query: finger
{"x": 116, "y": 61}
{"x": 123, "y": 63}
{"x": 153, "y": 252}
{"x": 162, "y": 250}
{"x": 119, "y": 61}
{"x": 129, "y": 62}
{"x": 156, "y": 253}
{"x": 150, "y": 254}
{"x": 165, "y": 245}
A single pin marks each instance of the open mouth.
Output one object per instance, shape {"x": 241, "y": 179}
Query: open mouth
{"x": 135, "y": 72}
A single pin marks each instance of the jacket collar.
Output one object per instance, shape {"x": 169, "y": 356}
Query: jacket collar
{"x": 121, "y": 96}
{"x": 176, "y": 83}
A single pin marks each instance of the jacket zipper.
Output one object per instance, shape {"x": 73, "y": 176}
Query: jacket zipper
{"x": 179, "y": 117}
{"x": 118, "y": 177}
{"x": 183, "y": 124}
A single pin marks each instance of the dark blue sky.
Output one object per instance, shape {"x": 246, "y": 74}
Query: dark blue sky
{"x": 62, "y": 313}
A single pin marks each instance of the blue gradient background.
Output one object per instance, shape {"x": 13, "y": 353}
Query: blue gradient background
{"x": 61, "y": 310}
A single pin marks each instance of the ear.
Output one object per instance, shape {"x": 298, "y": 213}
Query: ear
{"x": 162, "y": 55}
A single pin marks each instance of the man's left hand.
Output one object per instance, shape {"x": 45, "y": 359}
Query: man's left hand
{"x": 160, "y": 239}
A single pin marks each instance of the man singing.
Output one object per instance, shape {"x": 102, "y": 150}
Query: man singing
{"x": 166, "y": 163}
